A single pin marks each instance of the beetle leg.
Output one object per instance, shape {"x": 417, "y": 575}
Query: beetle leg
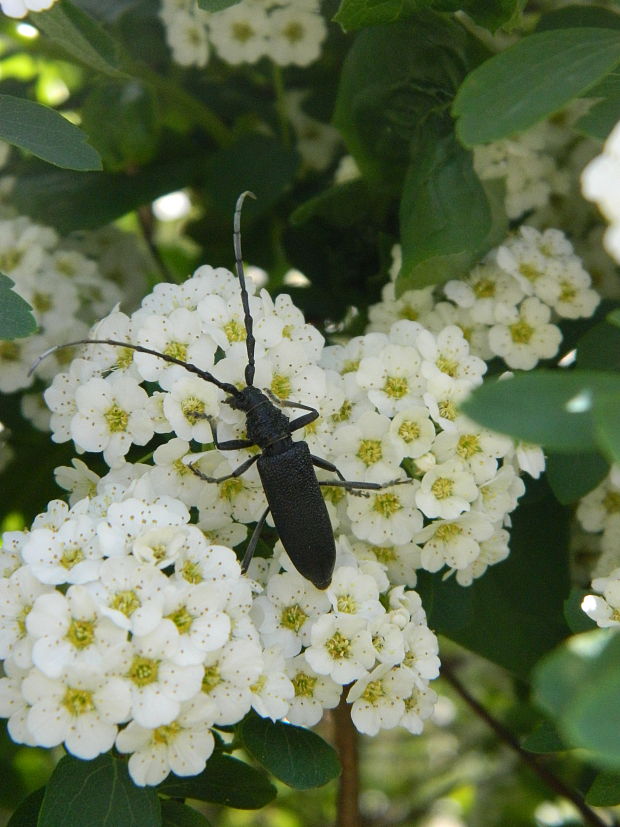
{"x": 301, "y": 421}
{"x": 353, "y": 486}
{"x": 229, "y": 444}
{"x": 236, "y": 473}
{"x": 251, "y": 547}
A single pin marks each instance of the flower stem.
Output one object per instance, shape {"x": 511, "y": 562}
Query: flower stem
{"x": 346, "y": 740}
{"x": 544, "y": 773}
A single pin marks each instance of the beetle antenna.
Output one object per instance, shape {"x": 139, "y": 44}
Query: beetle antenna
{"x": 231, "y": 390}
{"x": 249, "y": 336}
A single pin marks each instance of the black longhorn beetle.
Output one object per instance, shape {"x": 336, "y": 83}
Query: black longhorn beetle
{"x": 286, "y": 468}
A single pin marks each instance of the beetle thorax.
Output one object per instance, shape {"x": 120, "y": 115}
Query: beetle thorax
{"x": 266, "y": 425}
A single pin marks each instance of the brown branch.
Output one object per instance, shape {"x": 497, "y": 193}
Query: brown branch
{"x": 346, "y": 740}
{"x": 546, "y": 775}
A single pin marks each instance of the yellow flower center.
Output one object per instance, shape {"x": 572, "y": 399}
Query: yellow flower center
{"x": 230, "y": 489}
{"x": 242, "y": 32}
{"x": 529, "y": 271}
{"x": 385, "y": 554}
{"x": 611, "y": 502}
{"x": 373, "y": 692}
{"x": 468, "y": 445}
{"x": 447, "y": 532}
{"x": 396, "y": 387}
{"x": 409, "y": 431}
{"x": 293, "y": 617}
{"x": 338, "y": 647}
{"x": 78, "y": 701}
{"x": 191, "y": 572}
{"x": 521, "y": 332}
{"x": 294, "y": 32}
{"x": 126, "y": 601}
{"x": 484, "y": 289}
{"x": 81, "y": 633}
{"x": 42, "y": 302}
{"x": 387, "y": 504}
{"x": 193, "y": 409}
{"x": 71, "y": 556}
{"x": 116, "y": 419}
{"x": 182, "y": 619}
{"x": 235, "y": 331}
{"x": 166, "y": 734}
{"x": 346, "y": 603}
{"x": 350, "y": 366}
{"x": 281, "y": 386}
{"x": 9, "y": 351}
{"x": 304, "y": 685}
{"x": 370, "y": 451}
{"x": 177, "y": 350}
{"x": 343, "y": 413}
{"x": 447, "y": 409}
{"x": 143, "y": 671}
{"x": 211, "y": 678}
{"x": 448, "y": 366}
{"x": 442, "y": 488}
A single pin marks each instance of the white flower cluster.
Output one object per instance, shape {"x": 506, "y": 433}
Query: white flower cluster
{"x": 508, "y": 304}
{"x": 599, "y": 513}
{"x": 289, "y": 32}
{"x": 122, "y": 624}
{"x": 600, "y": 183}
{"x": 127, "y": 622}
{"x": 20, "y": 8}
{"x": 66, "y": 291}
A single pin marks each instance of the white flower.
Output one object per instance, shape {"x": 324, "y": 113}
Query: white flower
{"x": 421, "y": 656}
{"x": 111, "y": 415}
{"x": 69, "y": 554}
{"x": 130, "y": 593}
{"x": 13, "y": 704}
{"x": 599, "y": 505}
{"x": 378, "y": 699}
{"x": 524, "y": 335}
{"x": 386, "y": 517}
{"x": 17, "y": 595}
{"x": 80, "y": 708}
{"x": 188, "y": 39}
{"x": 198, "y": 612}
{"x": 227, "y": 678}
{"x": 393, "y": 379}
{"x": 419, "y": 707}
{"x": 158, "y": 685}
{"x": 364, "y": 450}
{"x": 486, "y": 287}
{"x": 412, "y": 432}
{"x": 285, "y": 613}
{"x": 239, "y": 33}
{"x": 187, "y": 404}
{"x": 447, "y": 353}
{"x": 69, "y": 632}
{"x": 599, "y": 183}
{"x": 181, "y": 746}
{"x": 273, "y": 690}
{"x": 313, "y": 693}
{"x": 478, "y": 448}
{"x": 446, "y": 490}
{"x": 295, "y": 35}
{"x": 492, "y": 551}
{"x": 20, "y": 8}
{"x": 605, "y": 610}
{"x": 455, "y": 543}
{"x": 400, "y": 561}
{"x": 354, "y": 593}
{"x": 79, "y": 480}
{"x": 499, "y": 495}
{"x": 341, "y": 648}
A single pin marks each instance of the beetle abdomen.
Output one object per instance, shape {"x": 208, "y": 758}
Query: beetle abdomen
{"x": 299, "y": 512}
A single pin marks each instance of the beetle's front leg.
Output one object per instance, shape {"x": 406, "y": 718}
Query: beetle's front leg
{"x": 229, "y": 444}
{"x": 240, "y": 469}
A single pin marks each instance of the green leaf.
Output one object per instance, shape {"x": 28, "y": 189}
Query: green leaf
{"x": 572, "y": 476}
{"x": 131, "y": 136}
{"x": 394, "y": 77}
{"x": 72, "y": 201}
{"x": 605, "y": 790}
{"x": 99, "y": 793}
{"x": 295, "y": 755}
{"x": 446, "y": 219}
{"x": 44, "y": 132}
{"x": 614, "y": 318}
{"x": 216, "y": 5}
{"x": 175, "y": 814}
{"x": 225, "y": 780}
{"x": 599, "y": 348}
{"x": 543, "y": 740}
{"x": 16, "y": 319}
{"x": 342, "y": 205}
{"x": 579, "y": 686}
{"x": 577, "y": 620}
{"x": 512, "y": 615}
{"x": 606, "y": 407}
{"x": 254, "y": 162}
{"x": 550, "y": 408}
{"x": 573, "y": 17}
{"x": 27, "y": 812}
{"x": 80, "y": 36}
{"x": 531, "y": 80}
{"x": 601, "y": 118}
{"x": 355, "y": 14}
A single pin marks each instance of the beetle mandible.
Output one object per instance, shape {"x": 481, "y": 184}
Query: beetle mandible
{"x": 286, "y": 467}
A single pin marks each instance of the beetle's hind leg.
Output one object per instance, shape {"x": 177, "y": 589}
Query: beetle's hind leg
{"x": 357, "y": 488}
{"x": 251, "y": 547}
